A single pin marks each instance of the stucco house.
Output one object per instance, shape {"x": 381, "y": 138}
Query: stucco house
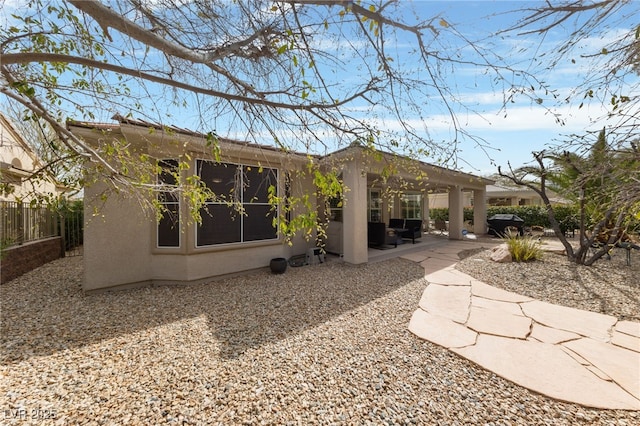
{"x": 127, "y": 246}
{"x": 500, "y": 195}
{"x": 18, "y": 162}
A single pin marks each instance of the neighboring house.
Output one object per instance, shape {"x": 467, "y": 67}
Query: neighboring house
{"x": 498, "y": 195}
{"x": 126, "y": 246}
{"x": 29, "y": 235}
{"x": 18, "y": 162}
{"x": 441, "y": 201}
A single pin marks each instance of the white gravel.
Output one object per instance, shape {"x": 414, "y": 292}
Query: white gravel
{"x": 610, "y": 286}
{"x": 325, "y": 344}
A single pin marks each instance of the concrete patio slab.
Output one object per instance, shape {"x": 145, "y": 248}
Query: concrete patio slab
{"x": 415, "y": 257}
{"x": 567, "y": 354}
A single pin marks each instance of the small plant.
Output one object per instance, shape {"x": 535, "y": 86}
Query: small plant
{"x": 4, "y": 244}
{"x": 523, "y": 249}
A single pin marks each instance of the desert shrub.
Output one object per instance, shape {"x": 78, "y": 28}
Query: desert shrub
{"x": 568, "y": 217}
{"x": 523, "y": 249}
{"x": 439, "y": 213}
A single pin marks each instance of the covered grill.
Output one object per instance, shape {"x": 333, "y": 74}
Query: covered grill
{"x": 499, "y": 223}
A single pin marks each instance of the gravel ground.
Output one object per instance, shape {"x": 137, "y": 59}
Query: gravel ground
{"x": 325, "y": 344}
{"x": 610, "y": 286}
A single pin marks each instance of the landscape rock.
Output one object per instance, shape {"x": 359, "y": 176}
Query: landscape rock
{"x": 501, "y": 254}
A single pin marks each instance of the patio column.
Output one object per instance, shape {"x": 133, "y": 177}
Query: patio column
{"x": 425, "y": 212}
{"x": 456, "y": 213}
{"x": 354, "y": 212}
{"x": 479, "y": 211}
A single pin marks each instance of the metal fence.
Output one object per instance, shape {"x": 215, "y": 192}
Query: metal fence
{"x": 72, "y": 227}
{"x": 21, "y": 223}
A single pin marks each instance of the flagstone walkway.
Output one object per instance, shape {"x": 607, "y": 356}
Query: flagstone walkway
{"x": 567, "y": 354}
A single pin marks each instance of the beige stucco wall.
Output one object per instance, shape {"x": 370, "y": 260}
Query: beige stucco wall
{"x": 17, "y": 163}
{"x": 194, "y": 264}
{"x": 120, "y": 243}
{"x": 440, "y": 201}
{"x": 116, "y": 241}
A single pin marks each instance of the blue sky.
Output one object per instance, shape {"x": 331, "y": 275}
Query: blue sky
{"x": 525, "y": 126}
{"x": 512, "y": 134}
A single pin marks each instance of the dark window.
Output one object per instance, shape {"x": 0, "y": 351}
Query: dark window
{"x": 239, "y": 210}
{"x": 169, "y": 224}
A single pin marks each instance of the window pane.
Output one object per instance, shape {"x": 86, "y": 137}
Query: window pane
{"x": 258, "y": 224}
{"x": 411, "y": 206}
{"x": 256, "y": 184}
{"x": 168, "y": 166}
{"x": 220, "y": 224}
{"x": 169, "y": 227}
{"x": 219, "y": 177}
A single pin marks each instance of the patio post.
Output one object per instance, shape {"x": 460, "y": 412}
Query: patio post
{"x": 479, "y": 211}
{"x": 425, "y": 212}
{"x": 354, "y": 211}
{"x": 456, "y": 214}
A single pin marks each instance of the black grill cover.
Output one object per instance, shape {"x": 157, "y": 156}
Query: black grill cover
{"x": 498, "y": 223}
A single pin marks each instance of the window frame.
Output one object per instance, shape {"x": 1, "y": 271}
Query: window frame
{"x": 244, "y": 191}
{"x": 177, "y": 203}
{"x": 374, "y": 205}
{"x": 405, "y": 208}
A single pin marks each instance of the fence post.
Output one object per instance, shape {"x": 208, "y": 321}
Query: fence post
{"x": 63, "y": 238}
{"x": 20, "y": 223}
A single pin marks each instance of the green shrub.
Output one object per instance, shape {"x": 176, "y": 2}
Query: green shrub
{"x": 523, "y": 249}
{"x": 567, "y": 215}
{"x": 532, "y": 215}
{"x": 441, "y": 213}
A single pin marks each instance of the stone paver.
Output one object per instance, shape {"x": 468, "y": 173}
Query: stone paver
{"x": 497, "y": 305}
{"x": 592, "y": 324}
{"x": 622, "y": 365}
{"x": 546, "y": 334}
{"x": 434, "y": 264}
{"x": 626, "y": 341}
{"x": 441, "y": 331}
{"x": 567, "y": 354}
{"x": 499, "y": 323}
{"x": 451, "y": 302}
{"x": 450, "y": 276}
{"x": 480, "y": 289}
{"x": 628, "y": 327}
{"x": 538, "y": 366}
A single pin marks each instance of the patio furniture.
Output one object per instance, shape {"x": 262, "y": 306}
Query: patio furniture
{"x": 378, "y": 235}
{"x": 441, "y": 226}
{"x": 407, "y": 228}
